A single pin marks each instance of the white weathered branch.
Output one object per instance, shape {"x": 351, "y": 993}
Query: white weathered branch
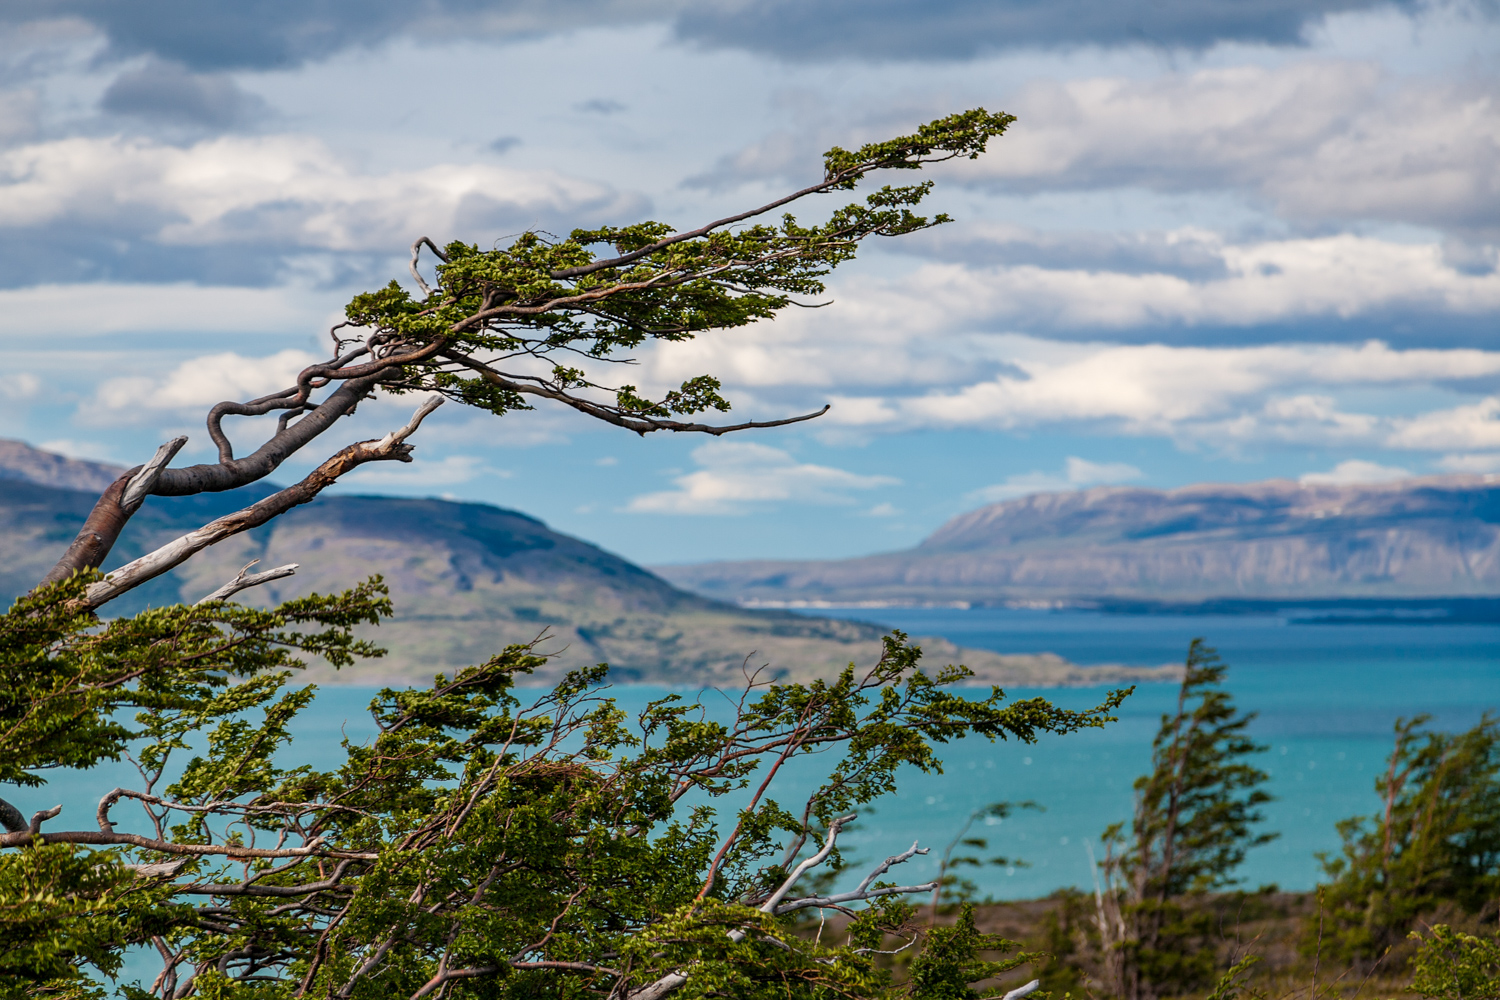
{"x": 891, "y": 862}
{"x": 160, "y": 869}
{"x": 1021, "y": 991}
{"x": 655, "y": 991}
{"x": 769, "y": 906}
{"x": 244, "y": 580}
{"x": 142, "y": 482}
{"x": 863, "y": 890}
{"x": 854, "y": 896}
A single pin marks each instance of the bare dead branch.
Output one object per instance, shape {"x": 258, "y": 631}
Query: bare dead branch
{"x": 862, "y": 891}
{"x": 1021, "y": 991}
{"x": 769, "y": 906}
{"x": 160, "y": 869}
{"x": 244, "y": 580}
{"x": 655, "y": 991}
{"x": 102, "y": 528}
{"x": 144, "y": 481}
{"x": 41, "y": 816}
{"x": 838, "y": 899}
{"x": 416, "y": 251}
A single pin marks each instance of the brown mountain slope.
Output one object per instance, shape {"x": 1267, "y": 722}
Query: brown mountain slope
{"x": 469, "y": 578}
{"x": 1432, "y": 537}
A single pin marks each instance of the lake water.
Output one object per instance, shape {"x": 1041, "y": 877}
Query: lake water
{"x": 1327, "y": 697}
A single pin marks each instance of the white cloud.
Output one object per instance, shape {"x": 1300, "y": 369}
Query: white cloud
{"x": 21, "y": 385}
{"x": 1077, "y": 473}
{"x": 449, "y": 471}
{"x": 198, "y": 383}
{"x": 1341, "y": 276}
{"x": 286, "y": 190}
{"x": 1154, "y": 387}
{"x": 107, "y": 307}
{"x": 88, "y": 450}
{"x": 1354, "y": 471}
{"x": 1320, "y": 138}
{"x": 884, "y": 371}
{"x": 735, "y": 476}
{"x": 1082, "y": 472}
{"x": 1463, "y": 428}
{"x": 1476, "y": 463}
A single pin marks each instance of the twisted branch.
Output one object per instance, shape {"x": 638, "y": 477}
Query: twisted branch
{"x": 392, "y": 447}
{"x": 244, "y": 580}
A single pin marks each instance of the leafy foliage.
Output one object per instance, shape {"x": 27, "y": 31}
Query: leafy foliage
{"x": 492, "y": 328}
{"x": 481, "y": 843}
{"x": 1436, "y": 841}
{"x": 1452, "y": 965}
{"x": 953, "y": 960}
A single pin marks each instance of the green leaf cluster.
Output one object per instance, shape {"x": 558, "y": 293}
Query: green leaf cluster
{"x": 1452, "y": 965}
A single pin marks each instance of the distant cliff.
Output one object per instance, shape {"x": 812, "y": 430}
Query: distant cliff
{"x": 466, "y": 579}
{"x": 1432, "y": 537}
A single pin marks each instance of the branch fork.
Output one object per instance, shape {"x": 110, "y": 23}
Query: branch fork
{"x": 392, "y": 447}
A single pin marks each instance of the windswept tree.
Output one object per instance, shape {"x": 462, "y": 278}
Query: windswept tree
{"x": 481, "y": 844}
{"x": 1434, "y": 844}
{"x": 503, "y": 329}
{"x": 1194, "y": 820}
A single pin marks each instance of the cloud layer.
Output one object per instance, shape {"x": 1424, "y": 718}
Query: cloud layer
{"x": 262, "y": 34}
{"x": 263, "y": 199}
{"x": 736, "y": 476}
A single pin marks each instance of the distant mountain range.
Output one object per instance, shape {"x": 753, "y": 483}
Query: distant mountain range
{"x": 1429, "y": 538}
{"x": 466, "y": 579}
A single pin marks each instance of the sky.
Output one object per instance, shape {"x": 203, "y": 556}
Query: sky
{"x": 1225, "y": 240}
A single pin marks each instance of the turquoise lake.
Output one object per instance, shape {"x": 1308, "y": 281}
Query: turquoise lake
{"x": 1327, "y": 697}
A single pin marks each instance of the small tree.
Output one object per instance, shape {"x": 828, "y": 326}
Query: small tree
{"x": 1435, "y": 843}
{"x": 1194, "y": 815}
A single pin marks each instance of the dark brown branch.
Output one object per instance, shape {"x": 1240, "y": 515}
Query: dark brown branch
{"x": 97, "y": 536}
{"x": 642, "y": 425}
{"x": 313, "y": 848}
{"x": 826, "y": 184}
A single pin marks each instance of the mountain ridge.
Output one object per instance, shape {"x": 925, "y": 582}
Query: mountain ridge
{"x": 1436, "y": 536}
{"x": 468, "y": 579}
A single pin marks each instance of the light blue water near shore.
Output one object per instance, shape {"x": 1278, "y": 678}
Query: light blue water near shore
{"x": 1327, "y": 697}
